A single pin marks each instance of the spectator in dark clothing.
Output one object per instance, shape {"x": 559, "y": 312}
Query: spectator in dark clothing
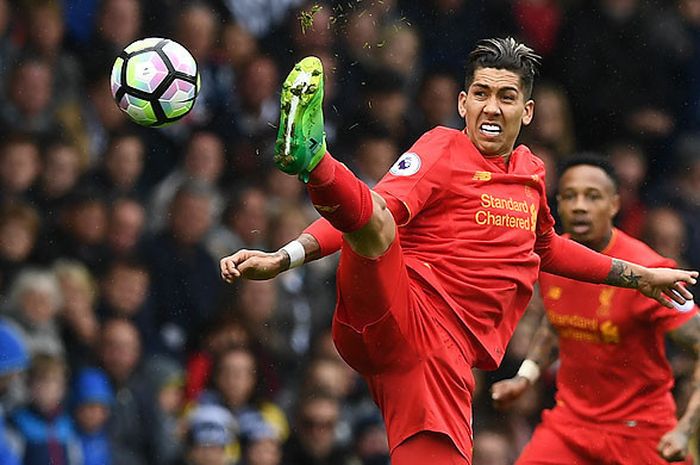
{"x": 185, "y": 277}
{"x": 313, "y": 439}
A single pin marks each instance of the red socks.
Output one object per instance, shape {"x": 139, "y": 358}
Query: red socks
{"x": 337, "y": 194}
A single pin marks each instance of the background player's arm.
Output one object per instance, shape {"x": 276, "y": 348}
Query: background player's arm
{"x": 674, "y": 444}
{"x": 567, "y": 258}
{"x": 541, "y": 353}
{"x": 652, "y": 282}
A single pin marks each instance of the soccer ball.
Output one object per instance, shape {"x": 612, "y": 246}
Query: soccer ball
{"x": 155, "y": 81}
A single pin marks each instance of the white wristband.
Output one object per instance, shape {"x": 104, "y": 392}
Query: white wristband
{"x": 296, "y": 253}
{"x": 529, "y": 370}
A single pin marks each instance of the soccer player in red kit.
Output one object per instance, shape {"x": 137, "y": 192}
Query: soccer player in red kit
{"x": 437, "y": 263}
{"x": 613, "y": 403}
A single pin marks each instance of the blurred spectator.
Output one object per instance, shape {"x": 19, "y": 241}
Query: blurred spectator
{"x": 127, "y": 219}
{"x": 234, "y": 385}
{"x": 185, "y": 277}
{"x": 33, "y": 302}
{"x": 45, "y": 30}
{"x": 197, "y": 30}
{"x": 119, "y": 354}
{"x": 629, "y": 99}
{"x": 375, "y": 152}
{"x": 61, "y": 170}
{"x": 20, "y": 166}
{"x": 165, "y": 384}
{"x": 79, "y": 325}
{"x": 630, "y": 164}
{"x": 125, "y": 290}
{"x": 257, "y": 96}
{"x": 436, "y": 106}
{"x": 82, "y": 230}
{"x": 399, "y": 51}
{"x": 492, "y": 448}
{"x": 118, "y": 23}
{"x": 371, "y": 446}
{"x": 239, "y": 46}
{"x": 19, "y": 229}
{"x": 210, "y": 429}
{"x": 313, "y": 437}
{"x": 244, "y": 223}
{"x": 261, "y": 16}
{"x": 554, "y": 126}
{"x": 31, "y": 106}
{"x": 101, "y": 116}
{"x": 121, "y": 168}
{"x": 262, "y": 446}
{"x": 93, "y": 399}
{"x": 204, "y": 161}
{"x": 45, "y": 426}
{"x": 665, "y": 232}
{"x": 14, "y": 360}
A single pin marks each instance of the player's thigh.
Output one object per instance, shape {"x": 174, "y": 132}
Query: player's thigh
{"x": 428, "y": 448}
{"x": 368, "y": 288}
{"x": 549, "y": 447}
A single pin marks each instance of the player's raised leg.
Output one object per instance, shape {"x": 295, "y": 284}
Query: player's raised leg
{"x": 345, "y": 201}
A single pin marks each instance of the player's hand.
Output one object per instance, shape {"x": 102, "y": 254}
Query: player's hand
{"x": 504, "y": 393}
{"x": 666, "y": 285}
{"x": 673, "y": 446}
{"x": 253, "y": 264}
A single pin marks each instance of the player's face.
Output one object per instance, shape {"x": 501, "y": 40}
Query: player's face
{"x": 587, "y": 204}
{"x": 494, "y": 108}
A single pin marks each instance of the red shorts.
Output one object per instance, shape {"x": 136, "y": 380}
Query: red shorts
{"x": 561, "y": 443}
{"x": 390, "y": 326}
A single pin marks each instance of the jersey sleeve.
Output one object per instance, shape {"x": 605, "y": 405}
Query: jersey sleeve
{"x": 419, "y": 175}
{"x": 664, "y": 318}
{"x": 545, "y": 220}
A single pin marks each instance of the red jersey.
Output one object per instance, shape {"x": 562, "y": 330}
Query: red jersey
{"x": 613, "y": 371}
{"x": 474, "y": 239}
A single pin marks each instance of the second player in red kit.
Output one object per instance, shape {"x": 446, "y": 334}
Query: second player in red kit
{"x": 437, "y": 263}
{"x": 613, "y": 403}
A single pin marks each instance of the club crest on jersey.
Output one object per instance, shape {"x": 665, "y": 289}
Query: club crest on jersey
{"x": 407, "y": 164}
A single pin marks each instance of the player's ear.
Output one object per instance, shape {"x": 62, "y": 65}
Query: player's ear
{"x": 614, "y": 205}
{"x": 462, "y": 104}
{"x": 529, "y": 112}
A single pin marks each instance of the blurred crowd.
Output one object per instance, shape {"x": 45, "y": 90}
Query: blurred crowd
{"x": 110, "y": 234}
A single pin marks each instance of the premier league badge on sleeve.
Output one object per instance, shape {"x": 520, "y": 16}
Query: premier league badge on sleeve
{"x": 407, "y": 164}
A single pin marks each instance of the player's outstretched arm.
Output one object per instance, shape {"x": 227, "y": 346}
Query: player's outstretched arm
{"x": 673, "y": 445}
{"x": 665, "y": 285}
{"x": 259, "y": 265}
{"x": 539, "y": 357}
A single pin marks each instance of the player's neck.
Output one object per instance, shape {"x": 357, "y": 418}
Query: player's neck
{"x": 600, "y": 244}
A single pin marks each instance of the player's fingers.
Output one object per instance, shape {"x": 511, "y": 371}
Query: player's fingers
{"x": 683, "y": 291}
{"x": 664, "y": 301}
{"x": 674, "y": 295}
{"x": 689, "y": 277}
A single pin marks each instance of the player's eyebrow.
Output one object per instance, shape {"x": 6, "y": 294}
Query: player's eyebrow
{"x": 500, "y": 89}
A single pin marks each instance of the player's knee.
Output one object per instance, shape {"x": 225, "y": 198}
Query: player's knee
{"x": 377, "y": 235}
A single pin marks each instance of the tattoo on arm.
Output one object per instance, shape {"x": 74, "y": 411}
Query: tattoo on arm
{"x": 622, "y": 275}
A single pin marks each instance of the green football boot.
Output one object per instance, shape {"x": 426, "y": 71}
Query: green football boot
{"x": 301, "y": 140}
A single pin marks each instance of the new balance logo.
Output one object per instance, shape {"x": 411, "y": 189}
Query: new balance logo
{"x": 326, "y": 208}
{"x": 482, "y": 176}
